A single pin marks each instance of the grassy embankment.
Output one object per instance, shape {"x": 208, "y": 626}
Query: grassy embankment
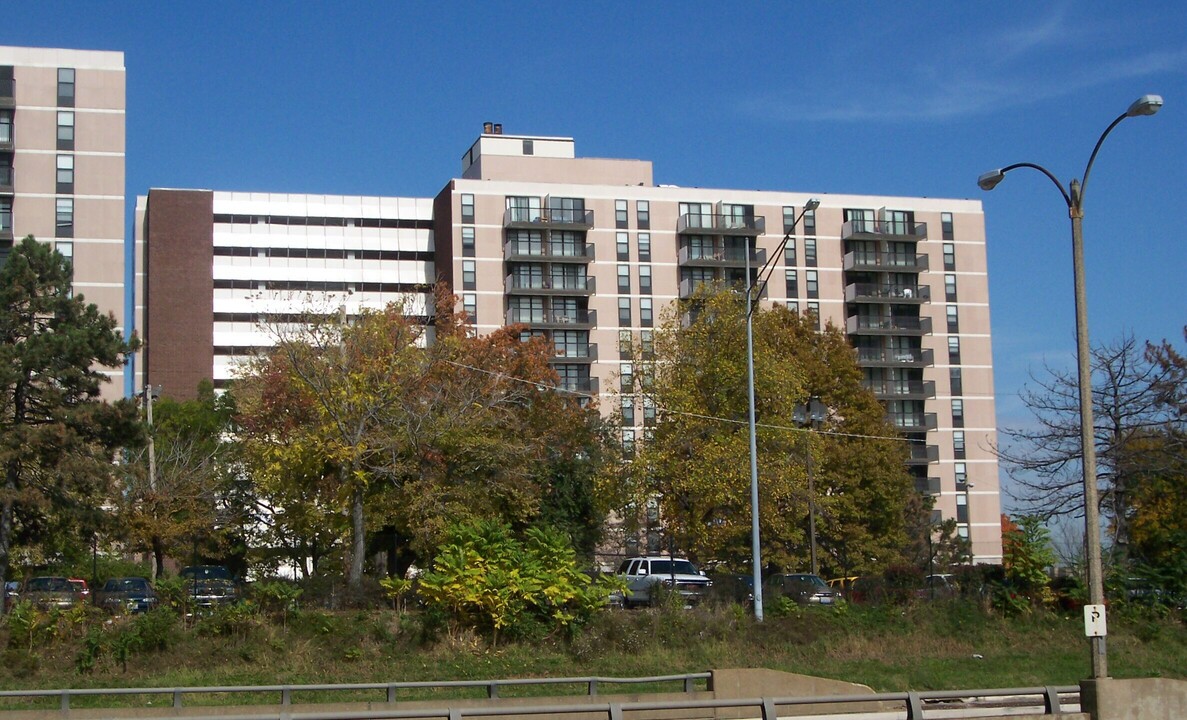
{"x": 921, "y": 646}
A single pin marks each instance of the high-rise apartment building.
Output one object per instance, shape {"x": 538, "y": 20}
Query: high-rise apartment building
{"x": 588, "y": 252}
{"x": 62, "y": 166}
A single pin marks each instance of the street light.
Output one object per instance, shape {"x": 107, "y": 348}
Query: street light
{"x": 751, "y": 304}
{"x": 151, "y": 393}
{"x": 1073, "y": 196}
{"x": 810, "y": 415}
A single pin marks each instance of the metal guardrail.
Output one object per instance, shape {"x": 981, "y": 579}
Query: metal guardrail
{"x": 688, "y": 683}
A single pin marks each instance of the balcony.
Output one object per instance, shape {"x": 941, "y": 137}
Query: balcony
{"x": 928, "y": 486}
{"x": 914, "y": 421}
{"x": 561, "y": 285}
{"x": 923, "y": 454}
{"x": 903, "y": 389}
{"x": 548, "y": 218}
{"x": 908, "y": 358}
{"x": 589, "y": 385}
{"x": 547, "y": 252}
{"x": 6, "y": 180}
{"x": 896, "y": 294}
{"x": 885, "y": 262}
{"x": 897, "y": 230}
{"x": 587, "y": 353}
{"x": 869, "y": 325}
{"x": 716, "y": 224}
{"x": 562, "y": 319}
{"x": 721, "y": 257}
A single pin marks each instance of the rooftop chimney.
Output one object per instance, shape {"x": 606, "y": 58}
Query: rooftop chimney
{"x": 498, "y": 128}
{"x": 488, "y": 128}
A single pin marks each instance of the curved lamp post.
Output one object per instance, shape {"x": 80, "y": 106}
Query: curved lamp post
{"x": 1074, "y": 197}
{"x": 751, "y": 304}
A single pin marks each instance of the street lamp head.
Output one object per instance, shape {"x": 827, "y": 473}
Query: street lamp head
{"x": 989, "y": 180}
{"x": 814, "y": 203}
{"x": 1145, "y": 105}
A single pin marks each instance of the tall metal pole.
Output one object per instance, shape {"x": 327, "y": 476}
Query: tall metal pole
{"x": 811, "y": 503}
{"x": 152, "y": 459}
{"x": 754, "y": 543}
{"x": 1096, "y": 592}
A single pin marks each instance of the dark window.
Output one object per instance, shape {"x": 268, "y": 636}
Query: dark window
{"x": 809, "y": 222}
{"x": 624, "y": 311}
{"x": 643, "y": 214}
{"x": 645, "y": 312}
{"x": 958, "y": 444}
{"x": 950, "y": 287}
{"x": 626, "y": 377}
{"x": 469, "y": 275}
{"x": 621, "y": 220}
{"x": 468, "y": 241}
{"x": 626, "y": 344}
{"x": 66, "y": 87}
{"x": 954, "y": 350}
{"x": 814, "y": 314}
{"x": 962, "y": 475}
{"x": 949, "y": 256}
{"x": 645, "y": 279}
{"x": 957, "y": 413}
{"x": 962, "y": 508}
{"x": 64, "y": 218}
{"x": 946, "y": 226}
{"x": 644, "y": 247}
{"x": 789, "y": 253}
{"x": 792, "y": 283}
{"x": 812, "y": 283}
{"x": 953, "y": 319}
{"x": 65, "y": 130}
{"x": 5, "y": 126}
{"x": 624, "y": 278}
{"x": 622, "y": 245}
{"x": 788, "y": 218}
{"x": 66, "y": 174}
{"x": 810, "y": 252}
{"x": 955, "y": 381}
{"x": 529, "y": 147}
{"x": 628, "y": 412}
{"x": 6, "y": 81}
{"x": 470, "y": 306}
{"x": 5, "y": 215}
{"x": 467, "y": 208}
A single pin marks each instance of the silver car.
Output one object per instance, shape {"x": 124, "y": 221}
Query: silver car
{"x": 644, "y": 574}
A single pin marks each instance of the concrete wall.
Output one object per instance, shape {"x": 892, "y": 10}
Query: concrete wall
{"x": 1139, "y": 699}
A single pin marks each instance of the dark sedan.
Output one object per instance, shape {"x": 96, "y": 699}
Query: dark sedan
{"x": 46, "y": 593}
{"x": 803, "y": 588}
{"x": 127, "y": 595}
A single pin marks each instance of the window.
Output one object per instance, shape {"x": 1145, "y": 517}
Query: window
{"x": 954, "y": 350}
{"x": 626, "y": 377}
{"x": 626, "y": 344}
{"x": 954, "y": 380}
{"x": 645, "y": 279}
{"x": 467, "y": 208}
{"x": 792, "y": 283}
{"x": 66, "y": 250}
{"x": 469, "y": 275}
{"x": 628, "y": 443}
{"x": 962, "y": 475}
{"x": 624, "y": 278}
{"x": 622, "y": 245}
{"x": 793, "y": 306}
{"x": 624, "y": 311}
{"x": 643, "y": 214}
{"x": 648, "y": 411}
{"x": 788, "y": 219}
{"x": 65, "y": 130}
{"x": 5, "y": 126}
{"x": 66, "y": 87}
{"x": 620, "y": 214}
{"x": 644, "y": 247}
{"x": 645, "y": 313}
{"x": 957, "y": 412}
{"x": 950, "y": 287}
{"x": 523, "y": 209}
{"x": 949, "y": 256}
{"x": 628, "y": 412}
{"x": 953, "y": 320}
{"x": 814, "y": 313}
{"x": 813, "y": 284}
{"x": 958, "y": 444}
{"x": 66, "y": 173}
{"x": 6, "y": 214}
{"x": 946, "y": 225}
{"x": 962, "y": 509}
{"x": 470, "y": 306}
{"x": 789, "y": 253}
{"x": 468, "y": 241}
{"x": 64, "y": 218}
{"x": 647, "y": 342}
{"x": 810, "y": 252}
{"x": 529, "y": 147}
{"x": 809, "y": 222}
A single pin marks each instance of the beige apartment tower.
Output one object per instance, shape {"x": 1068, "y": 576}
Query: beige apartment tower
{"x": 62, "y": 166}
{"x": 589, "y": 251}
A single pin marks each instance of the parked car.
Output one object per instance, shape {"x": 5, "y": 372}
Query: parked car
{"x": 210, "y": 586}
{"x": 127, "y": 594}
{"x": 644, "y": 574}
{"x": 732, "y": 587}
{"x": 803, "y": 588}
{"x": 46, "y": 593}
{"x": 938, "y": 586}
{"x": 81, "y": 587}
{"x": 12, "y": 591}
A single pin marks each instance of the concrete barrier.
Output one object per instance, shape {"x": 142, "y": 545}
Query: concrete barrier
{"x": 1138, "y": 699}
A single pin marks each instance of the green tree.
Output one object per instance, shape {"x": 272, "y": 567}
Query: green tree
{"x": 696, "y": 465}
{"x": 58, "y": 439}
{"x": 1027, "y": 554}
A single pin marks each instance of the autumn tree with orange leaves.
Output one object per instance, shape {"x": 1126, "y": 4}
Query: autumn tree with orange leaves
{"x": 351, "y": 426}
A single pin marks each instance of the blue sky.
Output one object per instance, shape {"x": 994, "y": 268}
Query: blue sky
{"x": 902, "y": 98}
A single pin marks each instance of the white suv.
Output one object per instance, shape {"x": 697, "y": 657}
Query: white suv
{"x": 642, "y": 574}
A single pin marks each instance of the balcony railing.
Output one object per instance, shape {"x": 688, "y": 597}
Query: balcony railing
{"x": 552, "y": 317}
{"x": 891, "y": 358}
{"x": 898, "y": 229}
{"x": 721, "y": 256}
{"x": 874, "y": 292}
{"x": 6, "y": 178}
{"x": 919, "y": 389}
{"x": 717, "y": 224}
{"x": 548, "y": 217}
{"x": 914, "y": 421}
{"x": 869, "y": 325}
{"x": 586, "y": 352}
{"x": 582, "y": 285}
{"x": 526, "y": 252}
{"x": 928, "y": 485}
{"x": 923, "y": 454}
{"x": 887, "y": 262}
{"x": 588, "y": 385}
